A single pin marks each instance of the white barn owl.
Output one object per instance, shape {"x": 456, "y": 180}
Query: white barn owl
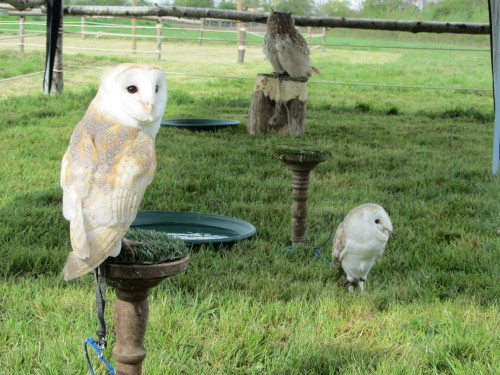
{"x": 109, "y": 163}
{"x": 286, "y": 48}
{"x": 360, "y": 240}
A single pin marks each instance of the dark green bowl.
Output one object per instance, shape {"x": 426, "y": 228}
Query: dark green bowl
{"x": 195, "y": 228}
{"x": 199, "y": 123}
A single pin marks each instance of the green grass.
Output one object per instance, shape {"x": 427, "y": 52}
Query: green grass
{"x": 431, "y": 305}
{"x": 150, "y": 247}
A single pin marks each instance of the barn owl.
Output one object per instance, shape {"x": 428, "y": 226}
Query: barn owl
{"x": 109, "y": 163}
{"x": 285, "y": 47}
{"x": 360, "y": 240}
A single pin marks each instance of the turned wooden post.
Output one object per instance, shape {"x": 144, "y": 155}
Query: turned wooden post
{"x": 301, "y": 163}
{"x": 133, "y": 283}
{"x": 278, "y": 105}
{"x": 131, "y": 319}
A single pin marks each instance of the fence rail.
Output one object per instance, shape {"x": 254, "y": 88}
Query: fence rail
{"x": 85, "y": 26}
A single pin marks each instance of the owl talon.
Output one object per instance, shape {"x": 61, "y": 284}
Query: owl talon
{"x": 128, "y": 244}
{"x": 350, "y": 286}
{"x": 284, "y": 74}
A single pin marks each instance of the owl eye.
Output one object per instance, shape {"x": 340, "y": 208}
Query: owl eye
{"x": 132, "y": 89}
{"x": 377, "y": 221}
{"x": 156, "y": 88}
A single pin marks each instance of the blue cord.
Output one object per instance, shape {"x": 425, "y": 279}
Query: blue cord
{"x": 318, "y": 251}
{"x": 100, "y": 355}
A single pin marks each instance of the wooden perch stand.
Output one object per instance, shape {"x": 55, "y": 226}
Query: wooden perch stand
{"x": 278, "y": 105}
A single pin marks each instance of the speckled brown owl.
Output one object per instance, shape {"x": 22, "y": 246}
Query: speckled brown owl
{"x": 285, "y": 47}
{"x": 109, "y": 163}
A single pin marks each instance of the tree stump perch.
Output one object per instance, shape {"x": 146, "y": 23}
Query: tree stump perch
{"x": 278, "y": 105}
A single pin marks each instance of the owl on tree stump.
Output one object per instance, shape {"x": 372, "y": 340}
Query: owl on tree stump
{"x": 286, "y": 48}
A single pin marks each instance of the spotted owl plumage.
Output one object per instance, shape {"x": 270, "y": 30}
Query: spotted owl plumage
{"x": 109, "y": 163}
{"x": 285, "y": 48}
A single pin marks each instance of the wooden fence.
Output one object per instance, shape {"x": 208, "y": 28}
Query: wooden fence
{"x": 161, "y": 14}
{"x": 86, "y": 27}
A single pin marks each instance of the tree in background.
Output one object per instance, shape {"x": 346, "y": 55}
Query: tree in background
{"x": 225, "y": 4}
{"x": 335, "y": 8}
{"x": 394, "y": 9}
{"x": 457, "y": 10}
{"x": 195, "y": 3}
{"x": 297, "y": 7}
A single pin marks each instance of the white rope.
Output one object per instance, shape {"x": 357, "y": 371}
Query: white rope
{"x": 24, "y": 44}
{"x": 21, "y": 36}
{"x": 317, "y": 82}
{"x": 399, "y": 86}
{"x": 110, "y": 50}
{"x": 23, "y": 76}
{"x": 251, "y": 78}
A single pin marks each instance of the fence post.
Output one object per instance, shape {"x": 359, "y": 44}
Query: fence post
{"x": 134, "y": 33}
{"x": 202, "y": 27}
{"x": 323, "y": 44}
{"x": 158, "y": 38}
{"x": 21, "y": 33}
{"x": 309, "y": 36}
{"x": 242, "y": 36}
{"x": 83, "y": 27}
{"x": 58, "y": 63}
{"x": 134, "y": 30}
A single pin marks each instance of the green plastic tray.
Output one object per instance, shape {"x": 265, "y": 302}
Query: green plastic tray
{"x": 195, "y": 228}
{"x": 199, "y": 123}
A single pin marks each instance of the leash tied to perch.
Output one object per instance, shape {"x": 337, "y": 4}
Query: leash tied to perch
{"x": 100, "y": 355}
{"x": 99, "y": 345}
{"x": 318, "y": 250}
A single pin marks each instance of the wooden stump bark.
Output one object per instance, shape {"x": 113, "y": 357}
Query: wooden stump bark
{"x": 278, "y": 105}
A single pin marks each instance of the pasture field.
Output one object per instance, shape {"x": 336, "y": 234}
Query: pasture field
{"x": 431, "y": 305}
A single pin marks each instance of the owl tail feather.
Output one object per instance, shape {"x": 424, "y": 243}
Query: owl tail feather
{"x": 315, "y": 70}
{"x": 75, "y": 267}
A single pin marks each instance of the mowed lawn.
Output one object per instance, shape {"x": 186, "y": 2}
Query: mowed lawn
{"x": 431, "y": 305}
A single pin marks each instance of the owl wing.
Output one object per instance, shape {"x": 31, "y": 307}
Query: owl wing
{"x": 381, "y": 252}
{"x": 339, "y": 245}
{"x": 293, "y": 55}
{"x": 78, "y": 166}
{"x": 272, "y": 54}
{"x": 110, "y": 205}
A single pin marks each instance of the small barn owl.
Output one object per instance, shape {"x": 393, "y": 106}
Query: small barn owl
{"x": 109, "y": 163}
{"x": 285, "y": 47}
{"x": 360, "y": 240}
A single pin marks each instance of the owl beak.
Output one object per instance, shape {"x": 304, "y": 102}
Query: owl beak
{"x": 149, "y": 107}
